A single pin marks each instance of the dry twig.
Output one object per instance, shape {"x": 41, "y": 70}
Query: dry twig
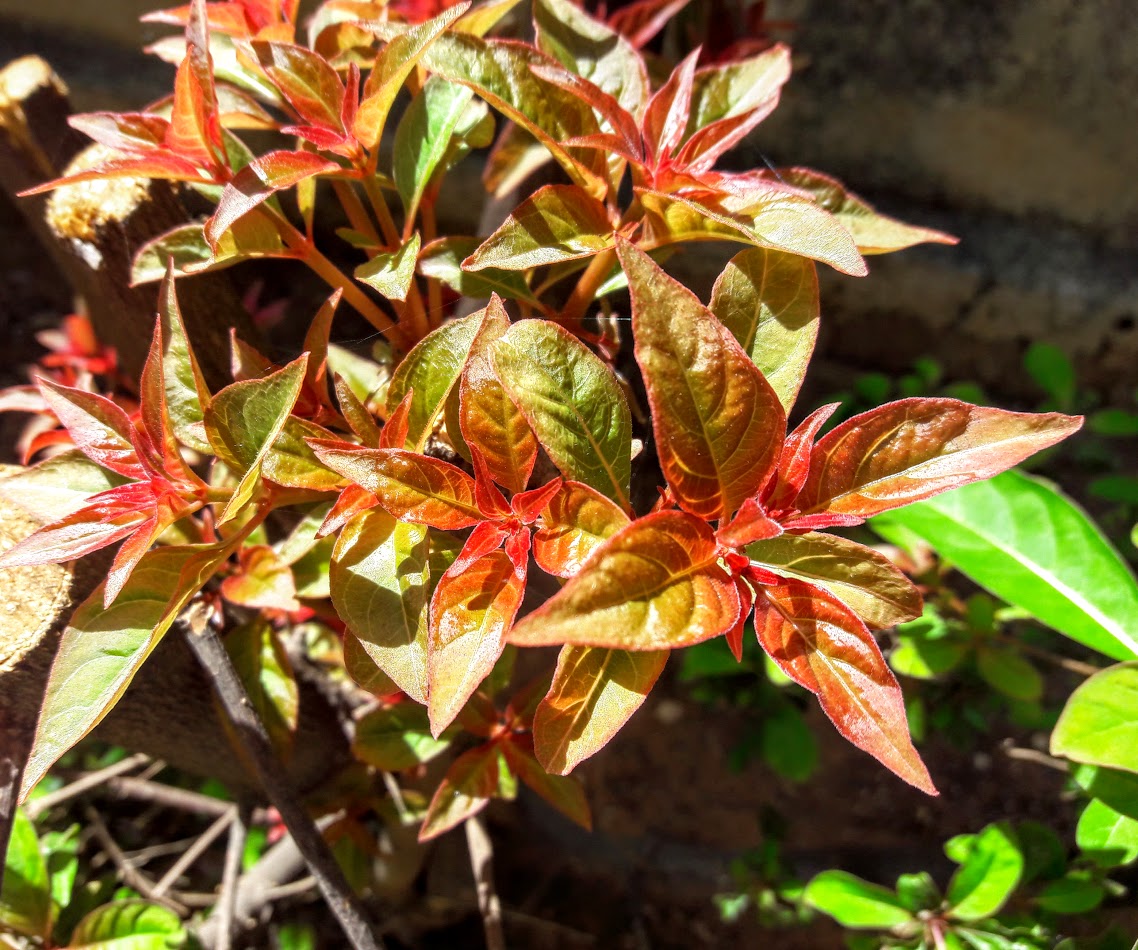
{"x": 482, "y": 864}
{"x": 87, "y": 782}
{"x": 195, "y": 851}
{"x": 130, "y": 875}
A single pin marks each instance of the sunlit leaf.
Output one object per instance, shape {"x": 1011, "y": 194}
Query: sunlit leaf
{"x": 395, "y": 738}
{"x": 248, "y": 238}
{"x": 594, "y": 693}
{"x": 309, "y": 83}
{"x": 129, "y": 925}
{"x": 574, "y": 524}
{"x": 186, "y": 392}
{"x": 424, "y": 135}
{"x": 769, "y": 301}
{"x": 988, "y": 875}
{"x": 441, "y": 260}
{"x": 25, "y": 900}
{"x": 718, "y": 423}
{"x": 391, "y": 273}
{"x": 264, "y": 581}
{"x": 855, "y": 903}
{"x": 59, "y": 485}
{"x": 1099, "y": 724}
{"x": 100, "y": 429}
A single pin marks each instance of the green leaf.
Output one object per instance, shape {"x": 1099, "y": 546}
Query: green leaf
{"x": 769, "y": 301}
{"x": 1074, "y": 894}
{"x": 431, "y": 369}
{"x": 988, "y": 875}
{"x": 926, "y": 659}
{"x": 594, "y": 692}
{"x": 396, "y": 738}
{"x": 290, "y": 461}
{"x": 1107, "y": 837}
{"x": 102, "y": 648}
{"x": 1052, "y": 370}
{"x": 573, "y": 403}
{"x": 262, "y": 663}
{"x": 864, "y": 580}
{"x": 130, "y": 925}
{"x": 1030, "y": 545}
{"x": 441, "y": 260}
{"x": 392, "y": 273}
{"x": 1011, "y": 674}
{"x": 59, "y": 485}
{"x": 557, "y": 223}
{"x": 718, "y": 424}
{"x": 379, "y": 583}
{"x": 855, "y": 903}
{"x": 250, "y": 237}
{"x": 186, "y": 391}
{"x": 787, "y": 744}
{"x": 25, "y": 901}
{"x": 1117, "y": 788}
{"x": 1099, "y": 724}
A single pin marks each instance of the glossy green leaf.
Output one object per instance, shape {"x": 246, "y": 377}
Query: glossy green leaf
{"x": 130, "y": 925}
{"x": 441, "y": 260}
{"x": 864, "y": 580}
{"x": 262, "y": 663}
{"x": 775, "y": 219}
{"x": 576, "y": 522}
{"x": 769, "y": 301}
{"x": 874, "y": 233}
{"x": 1117, "y": 788}
{"x": 393, "y": 65}
{"x": 1106, "y": 836}
{"x": 912, "y": 449}
{"x": 25, "y": 900}
{"x": 395, "y": 738}
{"x": 471, "y": 610}
{"x": 653, "y": 585}
{"x": 392, "y": 273}
{"x": 988, "y": 875}
{"x": 430, "y": 370}
{"x": 249, "y": 237}
{"x": 102, "y": 647}
{"x": 573, "y": 403}
{"x": 379, "y": 583}
{"x": 855, "y": 903}
{"x": 718, "y": 424}
{"x": 291, "y": 462}
{"x": 823, "y": 646}
{"x": 1020, "y": 538}
{"x": 594, "y": 693}
{"x": 557, "y": 223}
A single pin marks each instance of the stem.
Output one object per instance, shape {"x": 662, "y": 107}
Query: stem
{"x": 434, "y": 289}
{"x": 330, "y": 273}
{"x": 586, "y": 289}
{"x": 91, "y": 780}
{"x": 196, "y": 850}
{"x": 382, "y": 213}
{"x": 230, "y": 875}
{"x": 130, "y": 876}
{"x": 250, "y": 732}
{"x": 354, "y": 209}
{"x": 482, "y": 864}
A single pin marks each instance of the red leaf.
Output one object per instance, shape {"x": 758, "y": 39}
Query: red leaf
{"x": 351, "y": 502}
{"x": 306, "y": 80}
{"x": 577, "y": 520}
{"x": 316, "y": 345}
{"x": 159, "y": 164}
{"x": 642, "y": 20}
{"x": 465, "y": 790}
{"x": 794, "y": 462}
{"x": 564, "y": 794}
{"x": 530, "y": 504}
{"x": 395, "y": 430}
{"x": 100, "y": 429}
{"x": 750, "y": 524}
{"x": 735, "y": 634}
{"x": 359, "y": 419}
{"x": 666, "y": 118}
{"x": 913, "y": 449}
{"x": 823, "y": 646}
{"x": 123, "y": 131}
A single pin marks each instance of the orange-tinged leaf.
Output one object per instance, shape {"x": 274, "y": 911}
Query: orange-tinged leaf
{"x": 100, "y": 429}
{"x": 594, "y": 693}
{"x": 122, "y": 131}
{"x": 263, "y": 581}
{"x": 576, "y": 522}
{"x": 794, "y": 463}
{"x": 161, "y": 165}
{"x": 913, "y": 449}
{"x": 653, "y": 585}
{"x": 364, "y": 671}
{"x": 412, "y": 487}
{"x": 305, "y": 79}
{"x": 718, "y": 423}
{"x": 471, "y": 610}
{"x": 822, "y": 645}
{"x": 864, "y": 580}
{"x": 564, "y": 794}
{"x": 379, "y": 578}
{"x": 769, "y": 301}
{"x": 194, "y": 130}
{"x": 470, "y": 783}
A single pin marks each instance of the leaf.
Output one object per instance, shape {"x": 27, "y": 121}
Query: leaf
{"x": 874, "y": 233}
{"x": 822, "y": 645}
{"x": 912, "y": 449}
{"x": 100, "y": 429}
{"x": 471, "y": 610}
{"x": 770, "y": 218}
{"x": 1107, "y": 837}
{"x": 392, "y": 273}
{"x": 557, "y": 223}
{"x": 260, "y": 179}
{"x": 129, "y": 925}
{"x": 395, "y": 738}
{"x": 861, "y": 578}
{"x": 468, "y": 786}
{"x": 576, "y": 522}
{"x": 769, "y": 302}
{"x": 25, "y": 900}
{"x": 718, "y": 424}
{"x": 655, "y": 584}
{"x": 987, "y": 876}
{"x": 855, "y": 903}
{"x": 59, "y": 485}
{"x": 1021, "y": 539}
{"x": 186, "y": 391}
{"x": 1005, "y": 670}
{"x": 305, "y": 79}
{"x": 393, "y": 65}
{"x": 441, "y": 260}
{"x": 248, "y": 238}
{"x": 1099, "y": 724}
{"x": 564, "y": 794}
{"x": 1075, "y": 893}
{"x": 573, "y": 403}
{"x": 429, "y": 371}
{"x": 262, "y": 664}
{"x": 102, "y": 647}
{"x": 594, "y": 693}
{"x": 379, "y": 584}
{"x": 264, "y": 581}
{"x": 290, "y": 461}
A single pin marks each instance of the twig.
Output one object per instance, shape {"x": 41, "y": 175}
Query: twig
{"x": 1034, "y": 755}
{"x": 1063, "y": 662}
{"x": 131, "y": 876}
{"x": 396, "y": 795}
{"x": 227, "y": 902}
{"x": 250, "y": 732}
{"x": 290, "y": 890}
{"x": 195, "y": 851}
{"x": 140, "y": 857}
{"x": 80, "y": 785}
{"x": 168, "y": 795}
{"x": 482, "y": 864}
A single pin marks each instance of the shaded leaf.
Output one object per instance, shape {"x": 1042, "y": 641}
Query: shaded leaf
{"x": 25, "y": 900}
{"x": 395, "y": 738}
{"x": 262, "y": 663}
{"x": 564, "y": 794}
{"x": 441, "y": 260}
{"x": 473, "y": 779}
